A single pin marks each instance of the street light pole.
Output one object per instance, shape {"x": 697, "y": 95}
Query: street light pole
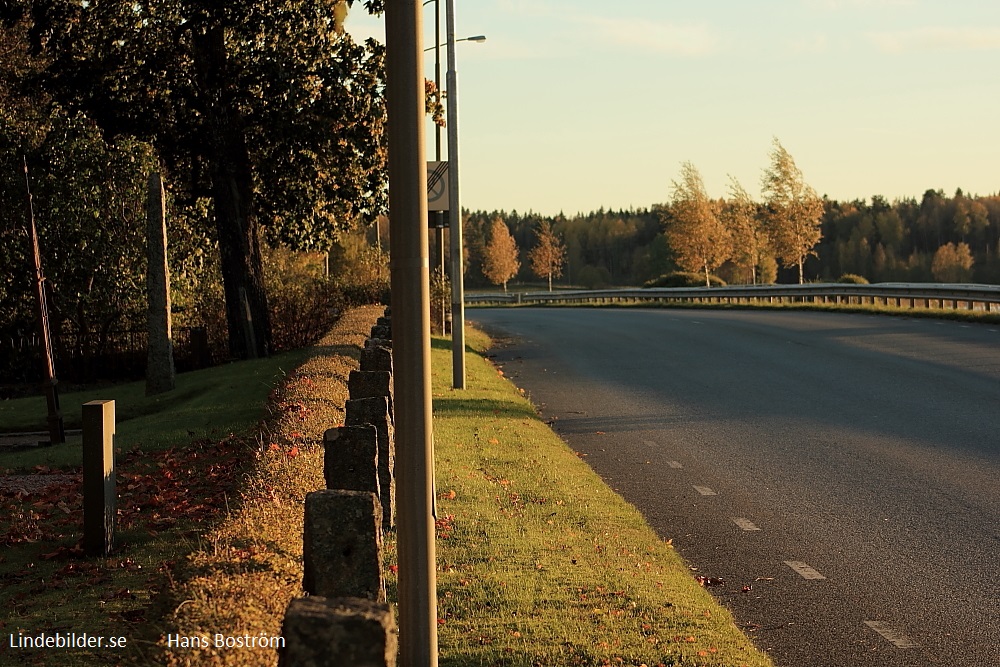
{"x": 411, "y": 335}
{"x": 455, "y": 211}
{"x": 439, "y": 215}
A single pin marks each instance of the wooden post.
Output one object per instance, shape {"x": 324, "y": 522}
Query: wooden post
{"x": 99, "y": 492}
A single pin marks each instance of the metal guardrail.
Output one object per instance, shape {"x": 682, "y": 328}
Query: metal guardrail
{"x": 904, "y": 295}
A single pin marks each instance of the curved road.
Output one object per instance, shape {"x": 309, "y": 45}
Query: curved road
{"x": 844, "y": 467}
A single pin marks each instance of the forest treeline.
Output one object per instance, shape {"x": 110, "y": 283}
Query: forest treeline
{"x": 876, "y": 239}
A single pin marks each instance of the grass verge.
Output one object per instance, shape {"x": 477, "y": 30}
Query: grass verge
{"x": 539, "y": 562}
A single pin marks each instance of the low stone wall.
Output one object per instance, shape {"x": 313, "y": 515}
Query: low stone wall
{"x": 344, "y": 618}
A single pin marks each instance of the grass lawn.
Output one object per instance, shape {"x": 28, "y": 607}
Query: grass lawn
{"x": 207, "y": 403}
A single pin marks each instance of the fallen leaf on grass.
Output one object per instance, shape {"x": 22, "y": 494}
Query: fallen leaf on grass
{"x": 710, "y": 581}
{"x": 75, "y": 551}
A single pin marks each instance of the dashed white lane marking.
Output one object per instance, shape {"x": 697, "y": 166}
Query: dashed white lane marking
{"x": 804, "y": 570}
{"x": 892, "y": 635}
{"x": 675, "y": 464}
{"x": 705, "y": 491}
{"x": 992, "y": 330}
{"x": 745, "y": 524}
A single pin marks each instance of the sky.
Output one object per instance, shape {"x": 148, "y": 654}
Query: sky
{"x": 575, "y": 105}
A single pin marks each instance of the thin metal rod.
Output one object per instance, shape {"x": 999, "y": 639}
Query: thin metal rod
{"x": 437, "y": 80}
{"x": 57, "y": 433}
{"x": 455, "y": 213}
{"x": 410, "y": 274}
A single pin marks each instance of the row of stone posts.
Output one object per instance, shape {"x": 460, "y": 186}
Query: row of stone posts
{"x": 344, "y": 618}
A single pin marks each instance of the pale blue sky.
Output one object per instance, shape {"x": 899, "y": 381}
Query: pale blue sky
{"x": 573, "y": 105}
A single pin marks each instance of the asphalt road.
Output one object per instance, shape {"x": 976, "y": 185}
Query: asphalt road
{"x": 844, "y": 467}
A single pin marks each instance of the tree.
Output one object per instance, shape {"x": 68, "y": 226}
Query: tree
{"x": 746, "y": 233}
{"x": 266, "y": 109}
{"x": 699, "y": 240}
{"x": 500, "y": 262}
{"x": 548, "y": 255}
{"x": 793, "y": 210}
{"x": 952, "y": 263}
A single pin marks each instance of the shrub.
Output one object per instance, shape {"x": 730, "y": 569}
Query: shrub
{"x": 684, "y": 279}
{"x": 304, "y": 304}
{"x": 594, "y": 277}
{"x": 852, "y": 279}
{"x": 373, "y": 292}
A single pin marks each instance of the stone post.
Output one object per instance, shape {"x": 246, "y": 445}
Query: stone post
{"x": 375, "y": 411}
{"x": 160, "y": 355}
{"x": 365, "y": 384}
{"x": 376, "y": 358}
{"x": 325, "y": 632}
{"x": 99, "y": 492}
{"x": 342, "y": 545}
{"x": 378, "y": 342}
{"x": 350, "y": 458}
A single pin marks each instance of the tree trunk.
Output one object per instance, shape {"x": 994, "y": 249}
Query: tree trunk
{"x": 550, "y": 282}
{"x": 801, "y": 262}
{"x": 226, "y": 152}
{"x": 708, "y": 282}
{"x": 247, "y": 315}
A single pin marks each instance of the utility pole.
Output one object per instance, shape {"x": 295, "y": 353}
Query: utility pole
{"x": 410, "y": 286}
{"x": 57, "y": 434}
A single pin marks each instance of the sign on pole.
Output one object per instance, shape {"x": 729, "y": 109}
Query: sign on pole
{"x": 437, "y": 186}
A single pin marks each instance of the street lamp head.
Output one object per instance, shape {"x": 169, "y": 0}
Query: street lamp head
{"x": 474, "y": 38}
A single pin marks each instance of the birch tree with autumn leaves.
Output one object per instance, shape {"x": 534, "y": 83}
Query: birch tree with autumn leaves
{"x": 793, "y": 212}
{"x": 698, "y": 238}
{"x": 548, "y": 255}
{"x": 500, "y": 262}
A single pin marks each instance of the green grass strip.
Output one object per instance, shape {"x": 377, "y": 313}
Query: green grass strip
{"x": 539, "y": 562}
{"x": 208, "y": 403}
